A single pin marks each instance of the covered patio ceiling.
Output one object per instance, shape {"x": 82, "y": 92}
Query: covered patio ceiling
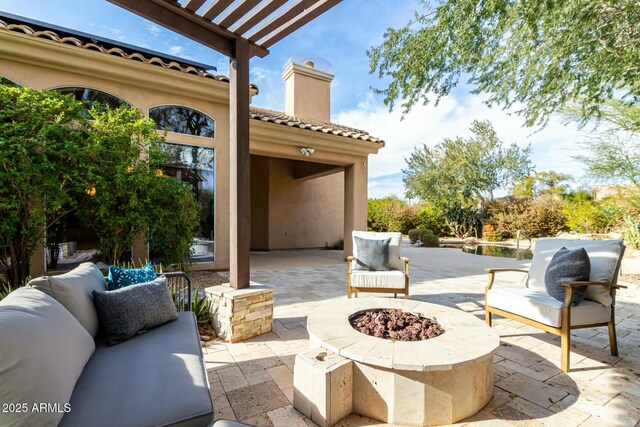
{"x": 240, "y": 30}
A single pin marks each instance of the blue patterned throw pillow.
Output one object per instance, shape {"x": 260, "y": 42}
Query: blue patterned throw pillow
{"x": 121, "y": 277}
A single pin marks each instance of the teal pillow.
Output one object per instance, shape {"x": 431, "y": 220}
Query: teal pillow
{"x": 121, "y": 277}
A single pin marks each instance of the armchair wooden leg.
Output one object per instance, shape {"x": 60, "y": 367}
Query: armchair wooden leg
{"x": 406, "y": 294}
{"x": 487, "y": 316}
{"x": 565, "y": 348}
{"x": 613, "y": 341}
{"x": 395, "y": 295}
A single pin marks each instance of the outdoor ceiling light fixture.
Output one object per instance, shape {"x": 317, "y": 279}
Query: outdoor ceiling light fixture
{"x": 306, "y": 151}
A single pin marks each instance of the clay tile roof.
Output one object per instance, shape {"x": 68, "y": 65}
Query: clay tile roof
{"x": 109, "y": 48}
{"x": 280, "y": 118}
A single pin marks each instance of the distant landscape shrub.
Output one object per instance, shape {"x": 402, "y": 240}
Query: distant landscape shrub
{"x": 490, "y": 234}
{"x": 391, "y": 214}
{"x": 430, "y": 241}
{"x": 419, "y": 234}
{"x": 632, "y": 233}
{"x": 586, "y": 215}
{"x": 431, "y": 218}
{"x": 538, "y": 218}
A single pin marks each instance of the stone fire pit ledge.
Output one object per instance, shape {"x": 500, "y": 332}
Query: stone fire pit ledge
{"x": 466, "y": 340}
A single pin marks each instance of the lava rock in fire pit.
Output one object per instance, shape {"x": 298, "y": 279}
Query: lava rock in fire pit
{"x": 395, "y": 324}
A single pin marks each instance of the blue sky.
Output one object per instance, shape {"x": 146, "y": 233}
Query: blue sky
{"x": 337, "y": 42}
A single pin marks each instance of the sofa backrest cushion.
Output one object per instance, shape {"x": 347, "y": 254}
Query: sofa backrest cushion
{"x": 394, "y": 246}
{"x": 73, "y": 291}
{"x": 604, "y": 256}
{"x": 127, "y": 311}
{"x": 43, "y": 350}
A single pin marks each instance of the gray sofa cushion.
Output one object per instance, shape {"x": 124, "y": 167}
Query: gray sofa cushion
{"x": 567, "y": 266}
{"x": 43, "y": 351}
{"x": 373, "y": 254}
{"x": 135, "y": 308}
{"x": 154, "y": 379}
{"x": 73, "y": 291}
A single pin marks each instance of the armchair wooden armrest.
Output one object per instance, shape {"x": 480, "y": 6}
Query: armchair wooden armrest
{"x": 492, "y": 275}
{"x": 405, "y": 260}
{"x": 579, "y": 284}
{"x": 350, "y": 260}
{"x": 500, "y": 270}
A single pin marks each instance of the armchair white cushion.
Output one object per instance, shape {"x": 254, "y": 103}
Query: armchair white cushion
{"x": 395, "y": 280}
{"x": 542, "y": 307}
{"x": 377, "y": 279}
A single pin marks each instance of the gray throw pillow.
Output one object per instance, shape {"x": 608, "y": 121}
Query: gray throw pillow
{"x": 373, "y": 254}
{"x": 567, "y": 266}
{"x": 128, "y": 311}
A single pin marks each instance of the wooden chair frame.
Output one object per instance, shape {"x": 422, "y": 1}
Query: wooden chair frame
{"x": 395, "y": 291}
{"x": 564, "y": 331}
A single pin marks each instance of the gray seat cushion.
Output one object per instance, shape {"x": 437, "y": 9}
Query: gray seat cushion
{"x": 154, "y": 379}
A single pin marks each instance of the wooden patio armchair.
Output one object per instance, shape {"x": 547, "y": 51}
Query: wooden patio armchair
{"x": 395, "y": 280}
{"x": 533, "y": 306}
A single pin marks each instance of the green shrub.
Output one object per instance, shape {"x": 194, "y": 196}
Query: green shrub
{"x": 431, "y": 218}
{"x": 391, "y": 214}
{"x": 632, "y": 233}
{"x": 585, "y": 215}
{"x": 419, "y": 234}
{"x": 430, "y": 241}
{"x": 462, "y": 221}
{"x": 490, "y": 234}
{"x": 541, "y": 217}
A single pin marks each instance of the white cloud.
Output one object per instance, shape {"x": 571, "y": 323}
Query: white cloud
{"x": 175, "y": 50}
{"x": 552, "y": 147}
{"x": 153, "y": 30}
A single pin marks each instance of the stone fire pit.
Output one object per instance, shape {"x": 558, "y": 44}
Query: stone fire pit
{"x": 435, "y": 381}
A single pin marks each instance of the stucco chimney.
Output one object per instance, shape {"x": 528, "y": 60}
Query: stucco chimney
{"x": 308, "y": 92}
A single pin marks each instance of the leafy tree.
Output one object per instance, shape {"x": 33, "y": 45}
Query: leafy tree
{"x": 128, "y": 194}
{"x": 537, "y": 55}
{"x": 539, "y": 183}
{"x": 465, "y": 172}
{"x": 44, "y": 158}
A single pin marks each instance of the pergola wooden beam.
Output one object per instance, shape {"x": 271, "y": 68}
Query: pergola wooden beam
{"x": 176, "y": 18}
{"x": 281, "y": 19}
{"x": 255, "y": 17}
{"x": 237, "y": 12}
{"x": 194, "y": 5}
{"x": 297, "y": 22}
{"x": 215, "y": 9}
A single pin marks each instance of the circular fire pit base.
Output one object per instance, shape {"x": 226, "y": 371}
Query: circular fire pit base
{"x": 437, "y": 381}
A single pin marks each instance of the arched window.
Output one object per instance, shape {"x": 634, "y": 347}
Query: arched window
{"x": 5, "y": 81}
{"x": 93, "y": 95}
{"x": 175, "y": 118}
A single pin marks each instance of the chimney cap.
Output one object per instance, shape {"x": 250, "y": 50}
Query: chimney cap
{"x": 309, "y": 63}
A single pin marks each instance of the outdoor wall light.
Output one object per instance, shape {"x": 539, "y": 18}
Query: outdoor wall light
{"x": 306, "y": 151}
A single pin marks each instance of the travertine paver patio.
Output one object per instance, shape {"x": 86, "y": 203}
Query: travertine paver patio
{"x": 253, "y": 381}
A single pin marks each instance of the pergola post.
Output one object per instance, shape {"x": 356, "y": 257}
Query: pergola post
{"x": 239, "y": 167}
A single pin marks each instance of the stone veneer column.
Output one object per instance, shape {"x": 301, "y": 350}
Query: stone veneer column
{"x": 355, "y": 201}
{"x": 240, "y": 314}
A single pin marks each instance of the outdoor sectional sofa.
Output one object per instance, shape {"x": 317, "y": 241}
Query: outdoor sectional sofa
{"x": 55, "y": 368}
